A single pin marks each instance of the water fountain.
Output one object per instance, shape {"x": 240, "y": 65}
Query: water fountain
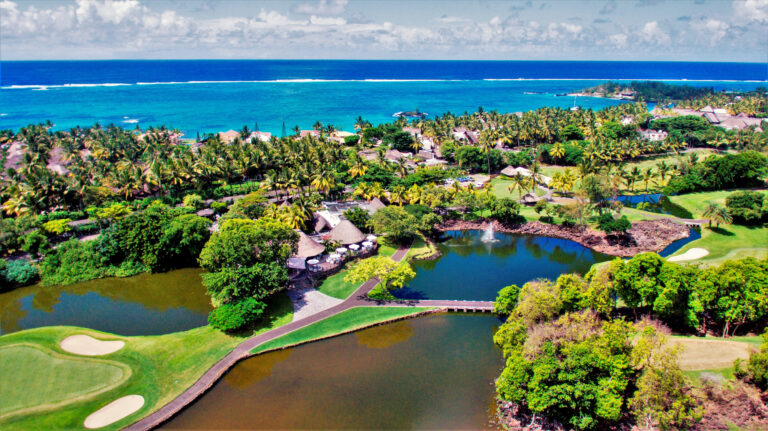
{"x": 488, "y": 234}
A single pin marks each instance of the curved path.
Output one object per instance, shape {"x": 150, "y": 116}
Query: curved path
{"x": 243, "y": 350}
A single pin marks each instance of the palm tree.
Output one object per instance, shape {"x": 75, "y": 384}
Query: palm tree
{"x": 519, "y": 183}
{"x": 717, "y": 213}
{"x": 323, "y": 181}
{"x": 359, "y": 167}
{"x": 662, "y": 169}
{"x": 648, "y": 175}
{"x": 397, "y": 195}
{"x": 557, "y": 151}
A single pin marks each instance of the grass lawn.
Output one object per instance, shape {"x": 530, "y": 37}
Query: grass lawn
{"x": 727, "y": 242}
{"x": 162, "y": 367}
{"x": 335, "y": 285}
{"x": 730, "y": 242}
{"x": 49, "y": 380}
{"x": 500, "y": 188}
{"x": 350, "y": 320}
{"x": 696, "y": 202}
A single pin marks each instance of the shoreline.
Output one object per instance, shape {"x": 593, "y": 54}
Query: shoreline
{"x": 645, "y": 236}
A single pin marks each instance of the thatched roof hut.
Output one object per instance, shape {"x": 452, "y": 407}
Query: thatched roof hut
{"x": 376, "y": 204}
{"x": 307, "y": 247}
{"x": 529, "y": 199}
{"x": 346, "y": 233}
{"x": 509, "y": 171}
{"x": 321, "y": 223}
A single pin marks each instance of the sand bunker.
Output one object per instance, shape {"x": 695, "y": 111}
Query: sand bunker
{"x": 114, "y": 411}
{"x": 89, "y": 346}
{"x": 692, "y": 254}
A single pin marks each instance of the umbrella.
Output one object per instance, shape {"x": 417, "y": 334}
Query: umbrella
{"x": 313, "y": 261}
{"x": 367, "y": 244}
{"x": 371, "y": 238}
{"x": 341, "y": 250}
{"x": 354, "y": 247}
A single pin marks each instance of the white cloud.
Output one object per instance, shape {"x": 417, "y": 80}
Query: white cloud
{"x": 652, "y": 33}
{"x": 139, "y": 28}
{"x": 619, "y": 40}
{"x": 752, "y": 10}
{"x": 322, "y": 7}
{"x": 712, "y": 29}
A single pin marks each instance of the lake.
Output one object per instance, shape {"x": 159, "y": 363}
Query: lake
{"x": 432, "y": 372}
{"x": 147, "y": 304}
{"x": 470, "y": 269}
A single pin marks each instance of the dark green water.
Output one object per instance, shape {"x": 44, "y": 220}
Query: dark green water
{"x": 432, "y": 372}
{"x": 146, "y": 304}
{"x": 472, "y": 269}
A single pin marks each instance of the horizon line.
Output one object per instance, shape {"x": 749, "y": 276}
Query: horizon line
{"x": 379, "y": 59}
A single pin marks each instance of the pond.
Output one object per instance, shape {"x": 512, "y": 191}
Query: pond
{"x": 470, "y": 269}
{"x": 147, "y": 304}
{"x": 655, "y": 202}
{"x": 432, "y": 372}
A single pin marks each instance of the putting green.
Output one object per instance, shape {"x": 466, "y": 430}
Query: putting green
{"x": 38, "y": 379}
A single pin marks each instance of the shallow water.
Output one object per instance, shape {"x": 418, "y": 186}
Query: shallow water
{"x": 432, "y": 372}
{"x": 472, "y": 269}
{"x": 146, "y": 304}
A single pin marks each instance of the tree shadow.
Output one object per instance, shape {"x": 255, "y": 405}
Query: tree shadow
{"x": 721, "y": 231}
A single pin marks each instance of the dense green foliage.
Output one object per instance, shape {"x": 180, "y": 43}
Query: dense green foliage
{"x": 565, "y": 362}
{"x": 747, "y": 206}
{"x": 158, "y": 238}
{"x": 743, "y": 170}
{"x": 399, "y": 225}
{"x": 235, "y": 316}
{"x": 15, "y": 273}
{"x": 653, "y": 91}
{"x": 246, "y": 259}
{"x": 360, "y": 218}
{"x": 610, "y": 224}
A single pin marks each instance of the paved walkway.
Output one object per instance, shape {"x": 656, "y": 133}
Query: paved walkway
{"x": 308, "y": 301}
{"x": 207, "y": 380}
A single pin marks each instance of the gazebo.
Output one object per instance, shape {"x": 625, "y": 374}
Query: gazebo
{"x": 346, "y": 233}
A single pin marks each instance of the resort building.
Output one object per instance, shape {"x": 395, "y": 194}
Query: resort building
{"x": 653, "y": 135}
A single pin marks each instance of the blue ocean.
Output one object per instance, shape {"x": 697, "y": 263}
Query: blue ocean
{"x": 199, "y": 96}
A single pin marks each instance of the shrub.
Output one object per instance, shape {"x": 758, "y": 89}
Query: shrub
{"x": 238, "y": 315}
{"x": 17, "y": 273}
{"x": 71, "y": 262}
{"x": 219, "y": 207}
{"x": 608, "y": 224}
{"x": 57, "y": 226}
{"x": 35, "y": 243}
{"x": 745, "y": 206}
{"x": 194, "y": 201}
{"x": 351, "y": 140}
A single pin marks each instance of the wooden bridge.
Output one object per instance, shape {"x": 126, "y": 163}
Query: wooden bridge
{"x": 465, "y": 306}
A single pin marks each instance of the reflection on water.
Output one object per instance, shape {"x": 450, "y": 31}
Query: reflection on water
{"x": 472, "y": 269}
{"x": 432, "y": 372}
{"x": 142, "y": 305}
{"x": 249, "y": 372}
{"x": 381, "y": 337}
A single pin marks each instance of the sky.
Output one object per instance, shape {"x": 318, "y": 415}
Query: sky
{"x": 666, "y": 30}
